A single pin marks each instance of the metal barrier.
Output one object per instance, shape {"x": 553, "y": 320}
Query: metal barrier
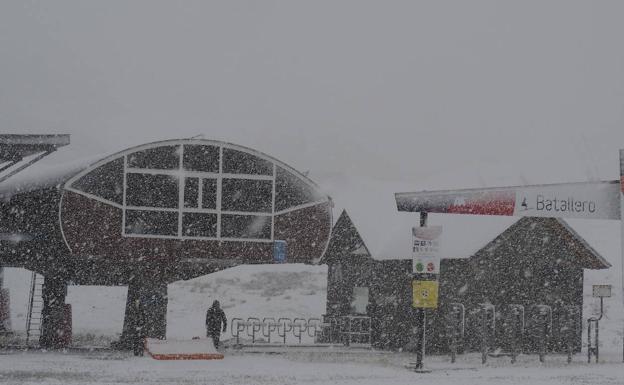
{"x": 455, "y": 326}
{"x": 316, "y": 326}
{"x": 356, "y": 329}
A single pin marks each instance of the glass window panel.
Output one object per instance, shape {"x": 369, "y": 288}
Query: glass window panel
{"x": 147, "y": 190}
{"x": 209, "y": 194}
{"x": 160, "y": 158}
{"x": 245, "y": 226}
{"x": 199, "y": 225}
{"x": 105, "y": 181}
{"x": 291, "y": 191}
{"x": 151, "y": 222}
{"x": 246, "y": 195}
{"x": 201, "y": 158}
{"x": 238, "y": 162}
{"x": 191, "y": 192}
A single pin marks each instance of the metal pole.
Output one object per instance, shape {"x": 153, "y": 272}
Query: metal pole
{"x": 597, "y": 340}
{"x": 420, "y": 316}
{"x": 589, "y": 348}
{"x": 622, "y": 228}
{"x": 483, "y": 336}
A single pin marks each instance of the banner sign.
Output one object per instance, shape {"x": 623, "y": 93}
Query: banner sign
{"x": 590, "y": 200}
{"x": 425, "y": 294}
{"x": 426, "y": 249}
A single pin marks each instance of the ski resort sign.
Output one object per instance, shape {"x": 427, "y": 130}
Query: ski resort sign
{"x": 591, "y": 200}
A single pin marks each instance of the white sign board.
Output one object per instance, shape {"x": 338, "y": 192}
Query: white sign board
{"x": 582, "y": 200}
{"x": 426, "y": 249}
{"x": 601, "y": 291}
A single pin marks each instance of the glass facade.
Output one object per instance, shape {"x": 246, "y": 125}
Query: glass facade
{"x": 207, "y": 191}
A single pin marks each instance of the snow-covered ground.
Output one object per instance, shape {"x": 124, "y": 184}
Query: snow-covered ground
{"x": 288, "y": 291}
{"x": 297, "y": 368}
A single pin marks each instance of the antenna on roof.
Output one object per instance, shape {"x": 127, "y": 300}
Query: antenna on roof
{"x": 198, "y": 136}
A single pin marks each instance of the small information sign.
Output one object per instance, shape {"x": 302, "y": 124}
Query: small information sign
{"x": 599, "y": 291}
{"x": 426, "y": 249}
{"x": 425, "y": 294}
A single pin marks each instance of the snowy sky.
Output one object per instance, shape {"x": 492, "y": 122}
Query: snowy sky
{"x": 427, "y": 93}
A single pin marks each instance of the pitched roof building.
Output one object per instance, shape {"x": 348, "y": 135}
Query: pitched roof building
{"x": 536, "y": 261}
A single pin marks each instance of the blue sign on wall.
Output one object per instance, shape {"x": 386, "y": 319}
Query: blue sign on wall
{"x": 279, "y": 251}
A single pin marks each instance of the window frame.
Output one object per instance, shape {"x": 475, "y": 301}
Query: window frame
{"x": 182, "y": 174}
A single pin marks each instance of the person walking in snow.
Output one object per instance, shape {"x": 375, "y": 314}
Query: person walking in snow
{"x": 215, "y": 322}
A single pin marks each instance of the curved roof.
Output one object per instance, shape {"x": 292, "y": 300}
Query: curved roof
{"x": 259, "y": 154}
{"x": 181, "y": 193}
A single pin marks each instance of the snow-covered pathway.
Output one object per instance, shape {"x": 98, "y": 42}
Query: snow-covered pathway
{"x": 297, "y": 368}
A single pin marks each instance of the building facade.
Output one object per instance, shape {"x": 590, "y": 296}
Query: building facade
{"x": 535, "y": 262}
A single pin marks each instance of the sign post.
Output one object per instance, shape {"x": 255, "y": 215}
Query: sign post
{"x": 426, "y": 267}
{"x": 598, "y": 291}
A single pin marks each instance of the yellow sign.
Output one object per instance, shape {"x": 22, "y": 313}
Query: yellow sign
{"x": 425, "y": 294}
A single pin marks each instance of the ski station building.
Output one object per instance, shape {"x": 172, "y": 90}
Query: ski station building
{"x": 151, "y": 215}
{"x": 166, "y": 211}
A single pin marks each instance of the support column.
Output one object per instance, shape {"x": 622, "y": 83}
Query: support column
{"x": 5, "y": 314}
{"x": 146, "y": 311}
{"x": 53, "y": 315}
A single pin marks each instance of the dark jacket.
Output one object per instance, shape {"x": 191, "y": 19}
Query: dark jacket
{"x": 214, "y": 318}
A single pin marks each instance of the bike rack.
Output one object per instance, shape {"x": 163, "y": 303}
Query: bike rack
{"x": 287, "y": 327}
{"x": 488, "y": 328}
{"x": 347, "y": 327}
{"x": 299, "y": 326}
{"x": 570, "y": 328}
{"x": 240, "y": 327}
{"x": 515, "y": 326}
{"x": 542, "y": 317}
{"x": 268, "y": 326}
{"x": 256, "y": 326}
{"x": 455, "y": 325}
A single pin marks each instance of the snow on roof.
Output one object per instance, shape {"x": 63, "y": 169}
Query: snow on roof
{"x": 387, "y": 232}
{"x": 47, "y": 172}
